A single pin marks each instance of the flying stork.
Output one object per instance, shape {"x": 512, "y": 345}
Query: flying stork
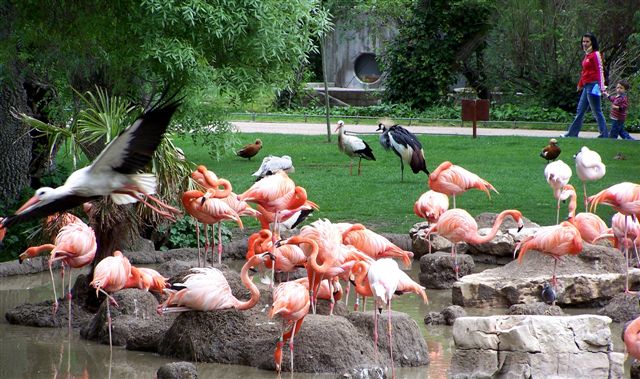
{"x": 113, "y": 173}
{"x": 406, "y": 146}
{"x": 353, "y": 147}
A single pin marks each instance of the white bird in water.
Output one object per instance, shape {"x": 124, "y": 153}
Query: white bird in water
{"x": 272, "y": 164}
{"x": 589, "y": 167}
{"x": 113, "y": 173}
{"x": 557, "y": 174}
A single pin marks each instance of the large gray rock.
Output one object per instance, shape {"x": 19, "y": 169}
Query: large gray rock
{"x": 589, "y": 279}
{"x": 535, "y": 347}
{"x": 623, "y": 307}
{"x": 177, "y": 370}
{"x": 437, "y": 270}
{"x": 421, "y": 245}
{"x": 135, "y": 322}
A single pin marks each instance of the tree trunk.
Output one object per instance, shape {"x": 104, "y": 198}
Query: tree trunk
{"x": 15, "y": 141}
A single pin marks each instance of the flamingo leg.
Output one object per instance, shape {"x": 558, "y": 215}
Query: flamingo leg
{"x": 197, "y": 226}
{"x": 393, "y": 368}
{"x": 206, "y": 243}
{"x": 346, "y": 293}
{"x": 356, "y": 305}
{"x": 274, "y": 236}
{"x": 554, "y": 280}
{"x": 293, "y": 333}
{"x": 558, "y": 212}
{"x": 332, "y": 304}
{"x": 364, "y": 303}
{"x": 53, "y": 283}
{"x": 69, "y": 298}
{"x": 219, "y": 243}
{"x": 454, "y": 254}
{"x": 375, "y": 332}
{"x": 586, "y": 201}
{"x": 626, "y": 255}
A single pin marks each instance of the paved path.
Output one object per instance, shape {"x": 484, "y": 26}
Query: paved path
{"x": 321, "y": 129}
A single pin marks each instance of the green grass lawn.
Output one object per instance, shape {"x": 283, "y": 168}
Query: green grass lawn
{"x": 379, "y": 200}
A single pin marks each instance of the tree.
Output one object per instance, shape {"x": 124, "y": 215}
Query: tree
{"x": 424, "y": 58}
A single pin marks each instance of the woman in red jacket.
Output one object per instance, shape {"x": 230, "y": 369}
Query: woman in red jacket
{"x": 592, "y": 85}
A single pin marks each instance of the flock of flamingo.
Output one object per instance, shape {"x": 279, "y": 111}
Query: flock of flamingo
{"x": 330, "y": 252}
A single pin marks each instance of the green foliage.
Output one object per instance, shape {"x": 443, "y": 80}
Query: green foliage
{"x": 422, "y": 60}
{"x": 182, "y": 234}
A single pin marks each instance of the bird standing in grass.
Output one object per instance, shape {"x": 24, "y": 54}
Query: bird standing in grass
{"x": 250, "y": 150}
{"x": 353, "y": 147}
{"x": 451, "y": 180}
{"x": 557, "y": 174}
{"x": 552, "y": 151}
{"x": 589, "y": 167}
{"x": 406, "y": 146}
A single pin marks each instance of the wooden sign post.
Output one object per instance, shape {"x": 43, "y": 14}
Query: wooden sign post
{"x": 475, "y": 110}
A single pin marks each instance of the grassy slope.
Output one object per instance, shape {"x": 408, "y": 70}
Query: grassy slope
{"x": 378, "y": 198}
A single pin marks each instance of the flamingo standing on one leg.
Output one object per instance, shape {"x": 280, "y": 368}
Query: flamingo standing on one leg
{"x": 75, "y": 246}
{"x": 623, "y": 197}
{"x": 453, "y": 180}
{"x": 457, "y": 225}
{"x": 555, "y": 240}
{"x": 291, "y": 303}
{"x": 557, "y": 174}
{"x": 111, "y": 275}
{"x": 206, "y": 289}
{"x": 625, "y": 232}
{"x": 589, "y": 167}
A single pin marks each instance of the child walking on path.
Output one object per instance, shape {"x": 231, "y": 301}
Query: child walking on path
{"x": 618, "y": 114}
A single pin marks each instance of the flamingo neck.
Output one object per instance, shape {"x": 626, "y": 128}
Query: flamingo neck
{"x": 248, "y": 283}
{"x": 494, "y": 229}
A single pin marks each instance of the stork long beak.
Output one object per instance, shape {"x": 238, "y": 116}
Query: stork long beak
{"x": 31, "y": 202}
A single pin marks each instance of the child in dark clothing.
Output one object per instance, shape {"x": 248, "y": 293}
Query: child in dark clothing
{"x": 618, "y": 113}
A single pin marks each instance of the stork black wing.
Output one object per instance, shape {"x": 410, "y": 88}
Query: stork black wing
{"x": 59, "y": 205}
{"x": 133, "y": 149}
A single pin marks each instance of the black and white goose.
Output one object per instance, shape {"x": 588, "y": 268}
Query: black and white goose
{"x": 113, "y": 173}
{"x": 353, "y": 147}
{"x": 406, "y": 146}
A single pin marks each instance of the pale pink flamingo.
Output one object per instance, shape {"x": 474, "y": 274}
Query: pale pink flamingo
{"x": 457, "y": 225}
{"x": 111, "y": 275}
{"x": 589, "y": 168}
{"x": 430, "y": 205}
{"x": 557, "y": 174}
{"x": 291, "y": 303}
{"x": 625, "y": 233}
{"x": 75, "y": 246}
{"x": 288, "y": 258}
{"x": 555, "y": 241}
{"x": 453, "y": 180}
{"x": 590, "y": 225}
{"x": 206, "y": 289}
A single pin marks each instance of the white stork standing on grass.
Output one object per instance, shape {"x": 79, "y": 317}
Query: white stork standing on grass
{"x": 406, "y": 146}
{"x": 114, "y": 172}
{"x": 353, "y": 147}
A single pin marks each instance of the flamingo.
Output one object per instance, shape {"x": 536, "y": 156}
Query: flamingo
{"x": 457, "y": 225}
{"x": 406, "y": 146}
{"x": 206, "y": 289}
{"x": 557, "y": 174}
{"x": 555, "y": 240}
{"x": 291, "y": 303}
{"x": 374, "y": 245}
{"x": 146, "y": 279}
{"x": 453, "y": 180}
{"x": 353, "y": 147}
{"x": 209, "y": 210}
{"x": 75, "y": 246}
{"x": 590, "y": 225}
{"x": 623, "y": 197}
{"x": 113, "y": 173}
{"x": 111, "y": 275}
{"x": 288, "y": 258}
{"x": 624, "y": 232}
{"x": 430, "y": 205}
{"x": 631, "y": 338}
{"x": 589, "y": 167}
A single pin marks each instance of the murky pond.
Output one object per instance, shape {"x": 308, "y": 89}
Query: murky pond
{"x": 29, "y": 352}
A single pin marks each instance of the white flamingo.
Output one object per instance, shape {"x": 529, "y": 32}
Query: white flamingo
{"x": 589, "y": 168}
{"x": 557, "y": 174}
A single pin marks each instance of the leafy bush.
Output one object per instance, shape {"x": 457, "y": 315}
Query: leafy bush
{"x": 182, "y": 234}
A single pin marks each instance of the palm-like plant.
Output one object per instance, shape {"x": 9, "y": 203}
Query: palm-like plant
{"x": 102, "y": 119}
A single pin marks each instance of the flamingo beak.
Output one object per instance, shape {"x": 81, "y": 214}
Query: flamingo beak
{"x": 31, "y": 202}
{"x": 281, "y": 242}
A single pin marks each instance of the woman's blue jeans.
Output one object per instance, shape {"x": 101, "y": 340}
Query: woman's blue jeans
{"x": 593, "y": 102}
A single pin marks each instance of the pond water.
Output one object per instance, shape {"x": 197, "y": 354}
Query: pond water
{"x": 29, "y": 352}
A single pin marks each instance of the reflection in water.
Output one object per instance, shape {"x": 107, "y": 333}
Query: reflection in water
{"x": 27, "y": 352}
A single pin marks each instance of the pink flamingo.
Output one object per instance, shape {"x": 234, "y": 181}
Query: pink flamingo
{"x": 453, "y": 180}
{"x": 555, "y": 240}
{"x": 430, "y": 205}
{"x": 147, "y": 279}
{"x": 457, "y": 225}
{"x": 590, "y": 225}
{"x": 374, "y": 245}
{"x": 631, "y": 337}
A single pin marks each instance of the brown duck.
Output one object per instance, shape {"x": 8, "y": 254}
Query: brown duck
{"x": 551, "y": 151}
{"x": 250, "y": 150}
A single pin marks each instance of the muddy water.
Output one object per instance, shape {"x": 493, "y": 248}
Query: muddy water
{"x": 28, "y": 352}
